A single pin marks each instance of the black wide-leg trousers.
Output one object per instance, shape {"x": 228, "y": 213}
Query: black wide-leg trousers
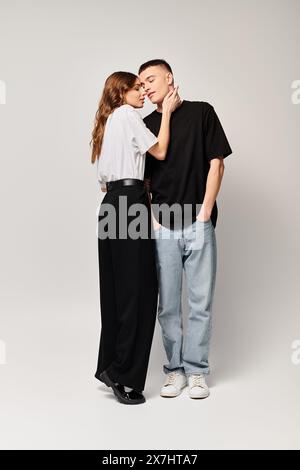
{"x": 128, "y": 296}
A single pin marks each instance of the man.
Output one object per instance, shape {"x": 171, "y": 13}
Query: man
{"x": 189, "y": 177}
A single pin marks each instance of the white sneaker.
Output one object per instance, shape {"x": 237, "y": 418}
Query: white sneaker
{"x": 174, "y": 384}
{"x": 197, "y": 386}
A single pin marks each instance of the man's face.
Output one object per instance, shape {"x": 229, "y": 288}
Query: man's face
{"x": 157, "y": 82}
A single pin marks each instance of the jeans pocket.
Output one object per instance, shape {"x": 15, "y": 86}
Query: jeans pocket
{"x": 203, "y": 222}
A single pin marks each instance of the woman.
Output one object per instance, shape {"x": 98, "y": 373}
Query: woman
{"x": 127, "y": 270}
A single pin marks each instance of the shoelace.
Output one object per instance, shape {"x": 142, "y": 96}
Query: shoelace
{"x": 171, "y": 378}
{"x": 198, "y": 381}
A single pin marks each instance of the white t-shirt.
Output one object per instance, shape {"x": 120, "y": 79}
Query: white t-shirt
{"x": 125, "y": 143}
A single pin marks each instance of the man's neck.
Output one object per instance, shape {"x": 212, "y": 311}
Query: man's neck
{"x": 159, "y": 107}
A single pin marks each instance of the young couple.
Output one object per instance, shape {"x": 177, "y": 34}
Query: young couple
{"x": 175, "y": 154}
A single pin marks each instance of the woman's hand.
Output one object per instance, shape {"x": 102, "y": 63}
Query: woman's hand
{"x": 169, "y": 104}
{"x": 171, "y": 101}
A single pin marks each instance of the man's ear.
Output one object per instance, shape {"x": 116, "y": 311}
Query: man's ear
{"x": 170, "y": 78}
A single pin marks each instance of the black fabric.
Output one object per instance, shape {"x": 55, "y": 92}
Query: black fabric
{"x": 110, "y": 185}
{"x": 128, "y": 297}
{"x": 196, "y": 136}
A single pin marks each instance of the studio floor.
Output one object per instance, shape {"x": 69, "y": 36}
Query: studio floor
{"x": 51, "y": 400}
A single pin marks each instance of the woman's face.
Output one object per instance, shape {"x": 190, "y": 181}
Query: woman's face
{"x": 136, "y": 95}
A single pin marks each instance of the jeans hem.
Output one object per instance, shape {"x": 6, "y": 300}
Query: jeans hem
{"x": 197, "y": 372}
{"x": 175, "y": 369}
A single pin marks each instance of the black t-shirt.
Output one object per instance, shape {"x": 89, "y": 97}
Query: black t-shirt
{"x": 196, "y": 136}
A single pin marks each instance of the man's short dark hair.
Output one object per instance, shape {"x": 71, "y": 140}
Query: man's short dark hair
{"x": 152, "y": 63}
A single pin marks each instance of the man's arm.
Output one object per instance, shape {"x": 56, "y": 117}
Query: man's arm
{"x": 147, "y": 184}
{"x": 213, "y": 184}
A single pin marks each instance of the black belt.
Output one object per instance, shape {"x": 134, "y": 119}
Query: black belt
{"x": 123, "y": 182}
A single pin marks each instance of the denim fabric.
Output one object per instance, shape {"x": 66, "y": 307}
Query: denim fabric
{"x": 193, "y": 249}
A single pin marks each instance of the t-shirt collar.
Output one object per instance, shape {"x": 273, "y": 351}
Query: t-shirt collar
{"x": 158, "y": 112}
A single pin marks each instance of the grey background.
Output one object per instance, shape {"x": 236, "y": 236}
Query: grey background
{"x": 242, "y": 57}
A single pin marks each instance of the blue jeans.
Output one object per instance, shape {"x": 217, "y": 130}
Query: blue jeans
{"x": 193, "y": 249}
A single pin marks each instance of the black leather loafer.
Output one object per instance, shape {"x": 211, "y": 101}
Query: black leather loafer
{"x": 127, "y": 398}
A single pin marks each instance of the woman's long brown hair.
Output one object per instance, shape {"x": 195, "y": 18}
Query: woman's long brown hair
{"x": 116, "y": 85}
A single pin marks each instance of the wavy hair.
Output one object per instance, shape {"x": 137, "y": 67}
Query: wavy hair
{"x": 115, "y": 87}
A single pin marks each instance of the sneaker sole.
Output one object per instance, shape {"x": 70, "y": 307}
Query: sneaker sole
{"x": 199, "y": 398}
{"x": 169, "y": 395}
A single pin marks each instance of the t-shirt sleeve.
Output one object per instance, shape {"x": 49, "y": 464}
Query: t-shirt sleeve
{"x": 216, "y": 143}
{"x": 143, "y": 138}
